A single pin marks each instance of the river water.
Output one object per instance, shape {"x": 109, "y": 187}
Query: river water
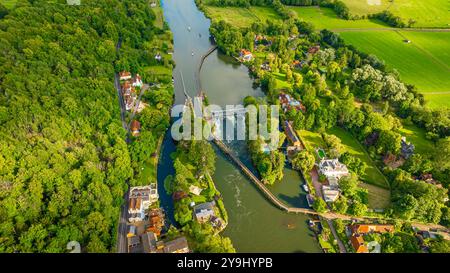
{"x": 255, "y": 225}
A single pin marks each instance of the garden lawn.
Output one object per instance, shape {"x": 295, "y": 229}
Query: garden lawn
{"x": 423, "y": 62}
{"x": 148, "y": 174}
{"x": 158, "y": 69}
{"x": 373, "y": 175}
{"x": 312, "y": 140}
{"x": 281, "y": 82}
{"x": 327, "y": 18}
{"x": 379, "y": 198}
{"x": 426, "y": 13}
{"x": 417, "y": 137}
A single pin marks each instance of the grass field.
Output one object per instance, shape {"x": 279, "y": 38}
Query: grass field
{"x": 373, "y": 175}
{"x": 416, "y": 136}
{"x": 159, "y": 21}
{"x": 426, "y": 13}
{"x": 424, "y": 62}
{"x": 159, "y": 70}
{"x": 8, "y": 3}
{"x": 327, "y": 18}
{"x": 241, "y": 17}
{"x": 312, "y": 140}
{"x": 379, "y": 198}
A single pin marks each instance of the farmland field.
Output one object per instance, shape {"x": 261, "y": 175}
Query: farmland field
{"x": 429, "y": 13}
{"x": 423, "y": 62}
{"x": 327, "y": 18}
{"x": 373, "y": 175}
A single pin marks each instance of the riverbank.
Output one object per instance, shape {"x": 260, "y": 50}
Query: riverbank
{"x": 251, "y": 217}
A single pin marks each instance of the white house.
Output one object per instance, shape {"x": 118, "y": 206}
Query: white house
{"x": 140, "y": 199}
{"x": 195, "y": 190}
{"x": 137, "y": 81}
{"x": 203, "y": 212}
{"x": 124, "y": 75}
{"x": 246, "y": 55}
{"x": 330, "y": 194}
{"x": 332, "y": 168}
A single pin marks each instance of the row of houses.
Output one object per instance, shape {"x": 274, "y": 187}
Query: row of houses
{"x": 148, "y": 243}
{"x": 288, "y": 103}
{"x": 357, "y": 231}
{"x": 146, "y": 223}
{"x": 139, "y": 201}
{"x": 129, "y": 87}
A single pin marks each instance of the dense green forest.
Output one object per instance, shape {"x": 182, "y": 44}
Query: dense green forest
{"x": 64, "y": 161}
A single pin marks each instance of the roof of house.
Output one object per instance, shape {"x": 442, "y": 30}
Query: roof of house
{"x": 176, "y": 245}
{"x": 134, "y": 240}
{"x": 204, "y": 206}
{"x": 149, "y": 242}
{"x": 366, "y": 228}
{"x": 332, "y": 165}
{"x": 245, "y": 52}
{"x": 125, "y": 74}
{"x": 358, "y": 243}
{"x": 290, "y": 132}
{"x": 195, "y": 190}
{"x": 135, "y": 125}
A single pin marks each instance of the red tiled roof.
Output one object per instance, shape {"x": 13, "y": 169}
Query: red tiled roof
{"x": 358, "y": 244}
{"x": 135, "y": 125}
{"x": 366, "y": 228}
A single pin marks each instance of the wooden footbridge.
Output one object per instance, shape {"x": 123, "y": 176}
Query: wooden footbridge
{"x": 259, "y": 184}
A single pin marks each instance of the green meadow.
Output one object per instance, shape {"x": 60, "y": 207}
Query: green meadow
{"x": 241, "y": 17}
{"x": 417, "y": 137}
{"x": 424, "y": 62}
{"x": 326, "y": 18}
{"x": 373, "y": 174}
{"x": 426, "y": 13}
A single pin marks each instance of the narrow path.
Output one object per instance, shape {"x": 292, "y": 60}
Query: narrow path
{"x": 342, "y": 248}
{"x": 121, "y": 246}
{"x": 202, "y": 60}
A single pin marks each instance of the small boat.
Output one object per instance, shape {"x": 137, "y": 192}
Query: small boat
{"x": 305, "y": 187}
{"x": 189, "y": 28}
{"x": 311, "y": 223}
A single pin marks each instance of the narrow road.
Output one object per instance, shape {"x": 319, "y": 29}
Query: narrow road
{"x": 122, "y": 245}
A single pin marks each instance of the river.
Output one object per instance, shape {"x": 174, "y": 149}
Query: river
{"x": 255, "y": 225}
